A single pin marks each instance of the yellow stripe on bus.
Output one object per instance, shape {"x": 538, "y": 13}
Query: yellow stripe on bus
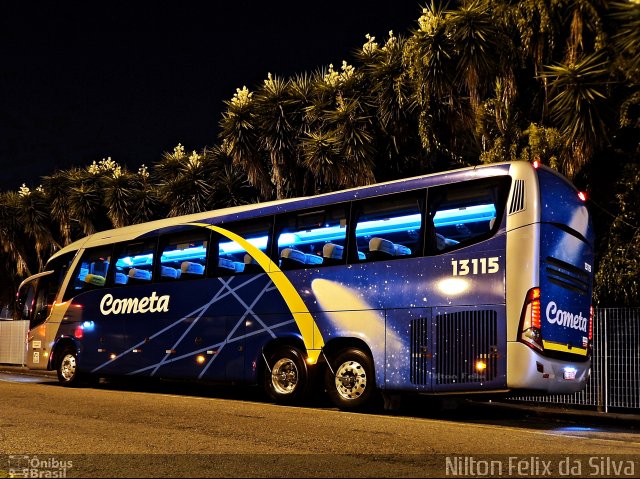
{"x": 313, "y": 340}
{"x": 564, "y": 348}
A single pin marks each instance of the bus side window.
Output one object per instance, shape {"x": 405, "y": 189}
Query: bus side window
{"x": 311, "y": 239}
{"x": 183, "y": 255}
{"x": 134, "y": 263}
{"x": 235, "y": 258}
{"x": 389, "y": 227}
{"x": 91, "y": 272}
{"x": 465, "y": 213}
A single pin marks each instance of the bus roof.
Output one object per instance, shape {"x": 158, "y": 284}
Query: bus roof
{"x": 270, "y": 207}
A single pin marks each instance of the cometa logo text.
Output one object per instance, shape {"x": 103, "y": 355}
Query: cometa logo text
{"x": 149, "y": 304}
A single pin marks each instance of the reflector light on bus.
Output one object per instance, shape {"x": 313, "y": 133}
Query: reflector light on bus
{"x": 536, "y": 164}
{"x": 481, "y": 365}
{"x": 200, "y": 359}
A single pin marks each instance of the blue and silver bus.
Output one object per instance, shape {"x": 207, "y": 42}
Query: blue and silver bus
{"x": 477, "y": 280}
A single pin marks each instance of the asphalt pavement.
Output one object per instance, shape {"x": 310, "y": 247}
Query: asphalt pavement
{"x": 619, "y": 418}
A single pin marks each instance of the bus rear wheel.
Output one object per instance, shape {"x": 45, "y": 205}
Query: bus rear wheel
{"x": 351, "y": 383}
{"x": 286, "y": 377}
{"x": 68, "y": 374}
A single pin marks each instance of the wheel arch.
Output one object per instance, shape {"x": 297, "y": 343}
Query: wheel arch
{"x": 335, "y": 346}
{"x": 270, "y": 347}
{"x": 56, "y": 352}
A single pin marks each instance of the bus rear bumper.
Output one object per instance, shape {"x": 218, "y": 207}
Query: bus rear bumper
{"x": 529, "y": 370}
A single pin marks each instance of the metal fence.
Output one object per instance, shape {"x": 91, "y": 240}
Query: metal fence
{"x": 615, "y": 371}
{"x": 12, "y": 342}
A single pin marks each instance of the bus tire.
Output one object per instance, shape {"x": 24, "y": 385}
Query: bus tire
{"x": 68, "y": 374}
{"x": 351, "y": 384}
{"x": 286, "y": 377}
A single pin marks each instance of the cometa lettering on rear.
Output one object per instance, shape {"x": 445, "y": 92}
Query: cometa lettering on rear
{"x": 147, "y": 304}
{"x": 565, "y": 318}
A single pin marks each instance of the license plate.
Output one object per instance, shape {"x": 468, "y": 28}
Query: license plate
{"x": 570, "y": 375}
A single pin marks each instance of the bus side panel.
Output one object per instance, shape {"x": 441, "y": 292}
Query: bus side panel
{"x": 210, "y": 317}
{"x": 389, "y": 305}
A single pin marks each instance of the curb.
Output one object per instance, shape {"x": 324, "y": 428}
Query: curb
{"x": 629, "y": 420}
{"x": 25, "y": 371}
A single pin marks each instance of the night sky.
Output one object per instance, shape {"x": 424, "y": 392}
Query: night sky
{"x": 130, "y": 81}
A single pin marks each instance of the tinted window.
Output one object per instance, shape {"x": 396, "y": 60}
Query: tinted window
{"x": 183, "y": 255}
{"x": 389, "y": 227}
{"x": 233, "y": 257}
{"x": 134, "y": 263}
{"x": 312, "y": 238}
{"x": 91, "y": 272}
{"x": 60, "y": 266}
{"x": 464, "y": 213}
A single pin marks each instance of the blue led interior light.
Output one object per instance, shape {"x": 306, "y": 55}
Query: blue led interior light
{"x": 469, "y": 214}
{"x": 194, "y": 253}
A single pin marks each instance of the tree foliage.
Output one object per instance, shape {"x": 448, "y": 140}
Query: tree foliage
{"x": 475, "y": 81}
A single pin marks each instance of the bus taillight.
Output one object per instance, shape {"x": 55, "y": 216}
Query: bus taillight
{"x": 79, "y": 332}
{"x": 530, "y": 322}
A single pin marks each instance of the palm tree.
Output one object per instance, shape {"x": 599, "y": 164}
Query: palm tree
{"x": 14, "y": 242}
{"x": 145, "y": 198}
{"x": 86, "y": 196}
{"x": 578, "y": 100}
{"x": 342, "y": 133}
{"x": 33, "y": 214}
{"x": 57, "y": 187}
{"x": 430, "y": 60}
{"x": 306, "y": 112}
{"x": 119, "y": 197}
{"x": 274, "y": 110}
{"x": 394, "y": 105}
{"x": 240, "y": 132}
{"x": 183, "y": 182}
{"x": 229, "y": 184}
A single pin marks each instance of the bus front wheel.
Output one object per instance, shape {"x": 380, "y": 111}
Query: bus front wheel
{"x": 351, "y": 383}
{"x": 68, "y": 367}
{"x": 286, "y": 377}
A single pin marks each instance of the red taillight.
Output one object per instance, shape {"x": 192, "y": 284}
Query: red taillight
{"x": 591, "y": 324}
{"x": 79, "y": 332}
{"x": 530, "y": 322}
{"x": 536, "y": 164}
{"x": 582, "y": 195}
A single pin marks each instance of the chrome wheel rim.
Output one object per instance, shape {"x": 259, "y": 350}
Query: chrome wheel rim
{"x": 68, "y": 367}
{"x": 284, "y": 376}
{"x": 351, "y": 380}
